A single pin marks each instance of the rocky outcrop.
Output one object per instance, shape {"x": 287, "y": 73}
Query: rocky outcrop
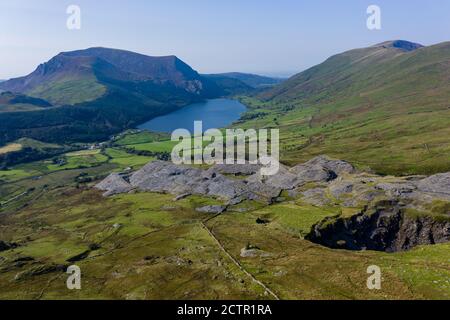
{"x": 333, "y": 167}
{"x": 320, "y": 182}
{"x": 40, "y": 270}
{"x": 166, "y": 177}
{"x": 384, "y": 227}
{"x": 235, "y": 169}
{"x": 212, "y": 209}
{"x": 114, "y": 184}
{"x": 439, "y": 183}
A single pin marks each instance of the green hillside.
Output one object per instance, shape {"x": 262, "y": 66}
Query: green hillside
{"x": 253, "y": 80}
{"x": 98, "y": 92}
{"x": 12, "y": 102}
{"x": 384, "y": 107}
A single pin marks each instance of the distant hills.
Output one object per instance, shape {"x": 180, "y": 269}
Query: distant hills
{"x": 385, "y": 106}
{"x": 76, "y": 77}
{"x": 99, "y": 91}
{"x": 245, "y": 82}
{"x": 253, "y": 80}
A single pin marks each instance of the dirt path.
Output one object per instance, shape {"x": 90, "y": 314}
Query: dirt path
{"x": 211, "y": 234}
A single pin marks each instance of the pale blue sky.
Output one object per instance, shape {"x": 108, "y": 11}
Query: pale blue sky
{"x": 275, "y": 37}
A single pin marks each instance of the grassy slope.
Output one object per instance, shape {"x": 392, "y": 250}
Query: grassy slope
{"x": 375, "y": 107}
{"x": 12, "y": 147}
{"x": 70, "y": 91}
{"x": 161, "y": 250}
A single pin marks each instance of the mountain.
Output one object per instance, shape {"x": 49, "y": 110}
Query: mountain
{"x": 385, "y": 107}
{"x": 99, "y": 91}
{"x": 87, "y": 75}
{"x": 229, "y": 86}
{"x": 251, "y": 80}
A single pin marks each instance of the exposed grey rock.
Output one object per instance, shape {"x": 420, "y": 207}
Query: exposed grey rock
{"x": 212, "y": 209}
{"x": 396, "y": 189}
{"x": 316, "y": 197}
{"x": 439, "y": 183}
{"x": 114, "y": 184}
{"x": 337, "y": 166}
{"x": 181, "y": 196}
{"x": 326, "y": 176}
{"x": 283, "y": 180}
{"x": 236, "y": 169}
{"x": 385, "y": 227}
{"x": 160, "y": 176}
{"x": 313, "y": 173}
{"x": 339, "y": 188}
{"x": 253, "y": 253}
{"x": 262, "y": 191}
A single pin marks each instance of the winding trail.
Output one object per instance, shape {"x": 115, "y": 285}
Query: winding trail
{"x": 235, "y": 262}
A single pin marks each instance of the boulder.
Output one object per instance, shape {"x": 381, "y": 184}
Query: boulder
{"x": 337, "y": 166}
{"x": 316, "y": 197}
{"x": 340, "y": 188}
{"x": 216, "y": 209}
{"x": 439, "y": 183}
{"x": 114, "y": 184}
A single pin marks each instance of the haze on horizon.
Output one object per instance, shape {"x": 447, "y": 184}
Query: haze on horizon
{"x": 277, "y": 38}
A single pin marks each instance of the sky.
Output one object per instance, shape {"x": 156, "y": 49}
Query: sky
{"x": 271, "y": 37}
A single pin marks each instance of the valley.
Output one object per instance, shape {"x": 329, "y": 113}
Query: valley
{"x": 364, "y": 180}
{"x": 148, "y": 245}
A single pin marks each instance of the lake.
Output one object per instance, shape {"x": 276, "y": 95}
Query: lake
{"x": 215, "y": 113}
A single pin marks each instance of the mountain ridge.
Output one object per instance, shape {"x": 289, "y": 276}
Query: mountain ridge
{"x": 97, "y": 92}
{"x": 94, "y": 69}
{"x": 382, "y": 106}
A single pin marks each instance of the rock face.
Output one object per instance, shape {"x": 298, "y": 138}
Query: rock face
{"x": 338, "y": 167}
{"x": 385, "y": 227}
{"x": 166, "y": 177}
{"x": 212, "y": 209}
{"x": 236, "y": 169}
{"x": 439, "y": 183}
{"x": 114, "y": 184}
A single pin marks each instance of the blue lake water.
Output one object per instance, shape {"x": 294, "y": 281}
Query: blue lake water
{"x": 215, "y": 113}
